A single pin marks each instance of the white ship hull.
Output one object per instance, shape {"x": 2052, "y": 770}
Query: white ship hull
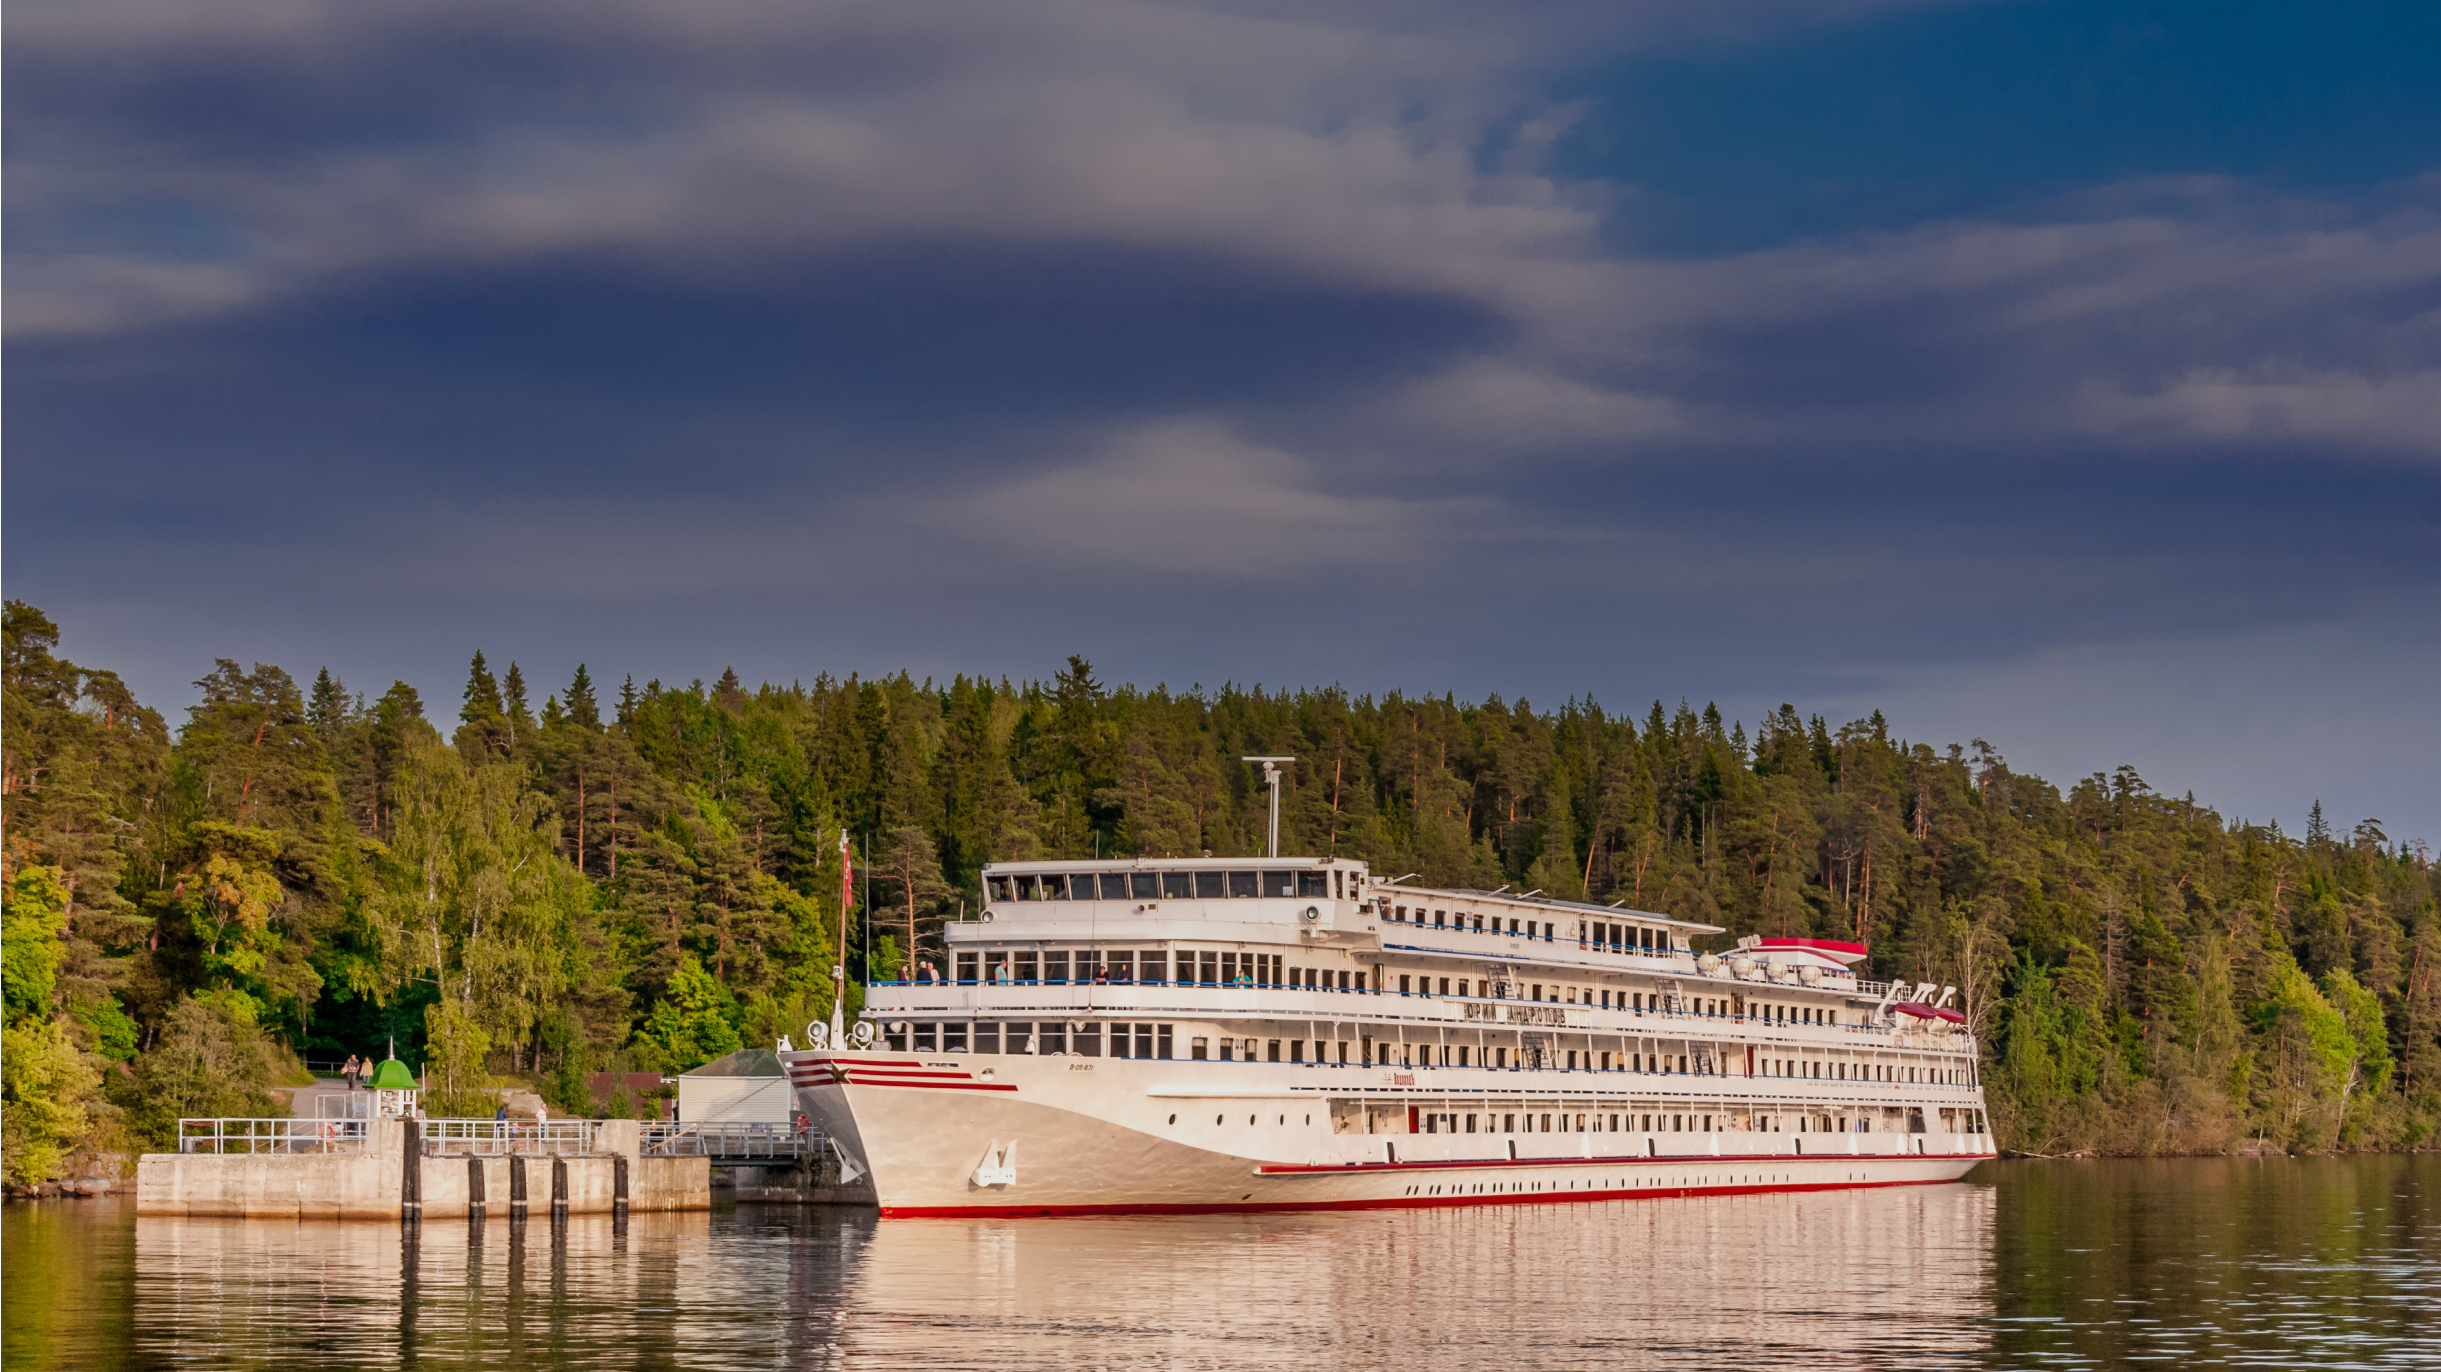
{"x": 1028, "y": 1135}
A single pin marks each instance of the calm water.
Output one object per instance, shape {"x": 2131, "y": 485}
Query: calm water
{"x": 2328, "y": 1263}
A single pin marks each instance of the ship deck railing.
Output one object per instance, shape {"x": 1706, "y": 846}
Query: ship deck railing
{"x": 729, "y": 1140}
{"x": 1649, "y": 1012}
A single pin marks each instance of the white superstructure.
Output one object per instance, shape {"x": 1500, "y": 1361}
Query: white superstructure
{"x": 1238, "y": 1033}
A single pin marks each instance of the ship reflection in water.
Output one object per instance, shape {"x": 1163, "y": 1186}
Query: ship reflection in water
{"x": 2333, "y": 1263}
{"x": 1891, "y": 1277}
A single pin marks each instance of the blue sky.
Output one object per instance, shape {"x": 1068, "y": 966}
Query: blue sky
{"x": 2063, "y": 374}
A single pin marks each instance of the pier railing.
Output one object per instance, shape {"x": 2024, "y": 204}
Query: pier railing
{"x": 272, "y": 1135}
{"x": 728, "y": 1140}
{"x": 499, "y": 1138}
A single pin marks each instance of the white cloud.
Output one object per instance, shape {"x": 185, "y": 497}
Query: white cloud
{"x": 2400, "y": 412}
{"x": 1190, "y": 497}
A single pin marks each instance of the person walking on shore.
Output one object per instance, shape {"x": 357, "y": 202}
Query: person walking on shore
{"x": 348, "y": 1073}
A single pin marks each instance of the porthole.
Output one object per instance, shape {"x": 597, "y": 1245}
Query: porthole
{"x": 1173, "y": 1119}
{"x": 1250, "y": 1121}
{"x": 1216, "y": 1119}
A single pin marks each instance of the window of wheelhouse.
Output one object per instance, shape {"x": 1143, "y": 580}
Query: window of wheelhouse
{"x": 1211, "y": 885}
{"x": 968, "y": 964}
{"x": 1144, "y": 885}
{"x": 1177, "y": 885}
{"x": 1314, "y": 884}
{"x": 999, "y": 888}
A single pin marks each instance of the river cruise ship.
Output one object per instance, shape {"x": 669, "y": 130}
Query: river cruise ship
{"x": 1250, "y": 1034}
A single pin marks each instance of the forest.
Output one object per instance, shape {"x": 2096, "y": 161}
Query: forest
{"x": 641, "y": 878}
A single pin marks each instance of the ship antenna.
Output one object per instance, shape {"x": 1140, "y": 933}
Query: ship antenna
{"x": 1271, "y": 775}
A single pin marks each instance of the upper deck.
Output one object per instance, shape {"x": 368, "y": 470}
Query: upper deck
{"x": 1049, "y": 922}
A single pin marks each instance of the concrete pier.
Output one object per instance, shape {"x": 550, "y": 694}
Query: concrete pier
{"x": 393, "y": 1178}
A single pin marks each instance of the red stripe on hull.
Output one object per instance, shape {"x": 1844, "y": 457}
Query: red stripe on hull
{"x": 931, "y": 1085}
{"x": 1286, "y": 1169}
{"x": 1390, "y": 1203}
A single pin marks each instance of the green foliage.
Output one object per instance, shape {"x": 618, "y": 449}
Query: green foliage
{"x": 31, "y": 946}
{"x": 694, "y": 1022}
{"x": 654, "y": 879}
{"x": 210, "y": 1060}
{"x": 46, "y": 1086}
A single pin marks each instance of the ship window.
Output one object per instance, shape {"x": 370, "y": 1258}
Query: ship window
{"x": 1538, "y": 992}
{"x": 1463, "y": 984}
{"x": 1445, "y": 986}
{"x": 997, "y": 887}
{"x": 987, "y": 1037}
{"x": 1053, "y": 1035}
{"x": 927, "y": 1037}
{"x": 1211, "y": 885}
{"x": 1088, "y": 1039}
{"x": 1153, "y": 966}
{"x": 1144, "y": 885}
{"x": 1018, "y": 1038}
{"x": 1178, "y": 885}
{"x": 1055, "y": 967}
{"x": 966, "y": 969}
{"x": 1119, "y": 966}
{"x": 1440, "y": 919}
{"x": 1211, "y": 968}
{"x": 1198, "y": 1048}
{"x": 1309, "y": 883}
{"x": 1161, "y": 1042}
{"x": 1055, "y": 886}
{"x": 1228, "y": 1050}
{"x": 1244, "y": 885}
{"x": 1272, "y": 1056}
{"x": 1119, "y": 1041}
{"x": 1402, "y": 985}
{"x": 1028, "y": 971}
{"x": 1278, "y": 884}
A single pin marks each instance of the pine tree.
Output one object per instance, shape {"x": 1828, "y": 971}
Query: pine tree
{"x": 582, "y": 711}
{"x": 512, "y": 695}
{"x": 482, "y": 695}
{"x": 327, "y": 710}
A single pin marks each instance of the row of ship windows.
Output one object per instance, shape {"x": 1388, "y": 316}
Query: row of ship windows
{"x": 1301, "y": 885}
{"x": 1596, "y": 934}
{"x": 1420, "y": 1121}
{"x": 1208, "y": 967}
{"x": 1053, "y": 1038}
{"x": 1145, "y": 967}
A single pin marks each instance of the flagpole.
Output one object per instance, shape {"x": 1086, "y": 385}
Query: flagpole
{"x": 839, "y": 969}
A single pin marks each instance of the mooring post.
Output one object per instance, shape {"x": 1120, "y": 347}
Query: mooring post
{"x": 618, "y": 1184}
{"x": 474, "y": 1189}
{"x": 411, "y": 1173}
{"x": 559, "y": 1187}
{"x": 517, "y": 1194}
